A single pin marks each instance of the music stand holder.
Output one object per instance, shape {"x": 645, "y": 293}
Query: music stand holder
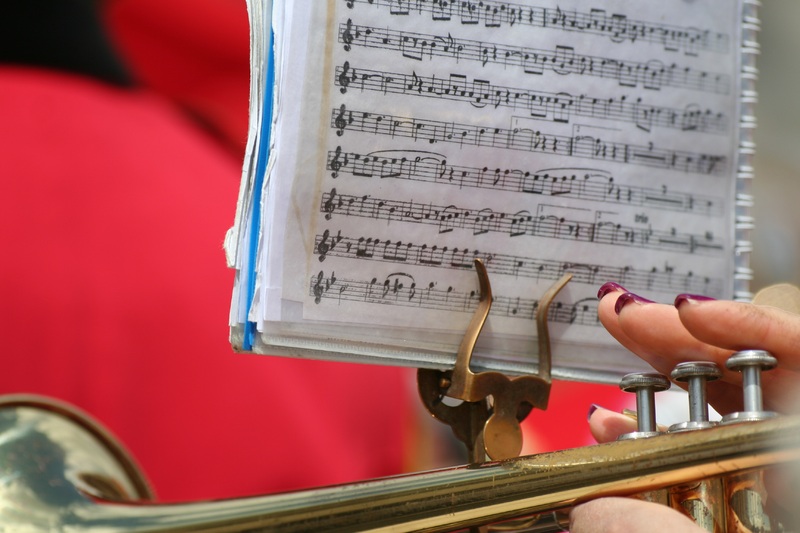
{"x": 488, "y": 419}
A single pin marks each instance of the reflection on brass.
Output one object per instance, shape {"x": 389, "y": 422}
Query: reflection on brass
{"x": 746, "y": 496}
{"x": 631, "y": 413}
{"x": 660, "y": 496}
{"x": 703, "y": 501}
{"x": 46, "y": 454}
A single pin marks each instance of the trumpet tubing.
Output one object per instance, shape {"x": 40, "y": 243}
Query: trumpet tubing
{"x": 61, "y": 473}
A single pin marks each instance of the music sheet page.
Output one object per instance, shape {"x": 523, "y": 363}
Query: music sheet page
{"x": 543, "y": 137}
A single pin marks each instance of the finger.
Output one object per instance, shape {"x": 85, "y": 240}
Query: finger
{"x": 606, "y": 425}
{"x": 628, "y": 515}
{"x": 611, "y": 321}
{"x": 779, "y": 390}
{"x": 656, "y": 333}
{"x": 741, "y": 326}
{"x": 709, "y": 330}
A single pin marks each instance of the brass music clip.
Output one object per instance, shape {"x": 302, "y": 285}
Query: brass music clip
{"x": 512, "y": 398}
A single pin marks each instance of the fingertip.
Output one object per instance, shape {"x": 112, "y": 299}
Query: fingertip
{"x": 629, "y": 297}
{"x": 592, "y": 408}
{"x": 606, "y": 305}
{"x": 628, "y": 514}
{"x": 606, "y": 425}
{"x": 691, "y": 299}
{"x": 609, "y": 287}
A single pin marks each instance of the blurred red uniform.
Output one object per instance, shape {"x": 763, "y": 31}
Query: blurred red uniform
{"x": 114, "y": 296}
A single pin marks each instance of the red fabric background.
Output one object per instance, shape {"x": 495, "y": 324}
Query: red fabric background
{"x": 115, "y": 295}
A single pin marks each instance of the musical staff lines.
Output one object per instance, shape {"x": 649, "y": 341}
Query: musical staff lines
{"x": 563, "y": 60}
{"x": 664, "y": 279}
{"x": 558, "y": 107}
{"x": 520, "y": 224}
{"x": 617, "y": 27}
{"x": 401, "y": 289}
{"x": 579, "y": 183}
{"x": 524, "y": 139}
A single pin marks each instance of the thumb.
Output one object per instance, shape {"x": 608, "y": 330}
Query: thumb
{"x": 613, "y": 515}
{"x": 606, "y": 425}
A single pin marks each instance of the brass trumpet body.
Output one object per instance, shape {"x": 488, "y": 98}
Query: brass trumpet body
{"x": 60, "y": 472}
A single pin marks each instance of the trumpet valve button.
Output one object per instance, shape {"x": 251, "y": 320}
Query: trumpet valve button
{"x": 760, "y": 359}
{"x": 645, "y": 385}
{"x": 751, "y": 363}
{"x": 704, "y": 370}
{"x": 695, "y": 374}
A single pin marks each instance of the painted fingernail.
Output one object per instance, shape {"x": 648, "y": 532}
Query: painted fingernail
{"x": 627, "y": 298}
{"x": 692, "y": 298}
{"x": 609, "y": 287}
{"x": 592, "y": 408}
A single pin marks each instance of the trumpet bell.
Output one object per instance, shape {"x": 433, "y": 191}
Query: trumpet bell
{"x": 55, "y": 460}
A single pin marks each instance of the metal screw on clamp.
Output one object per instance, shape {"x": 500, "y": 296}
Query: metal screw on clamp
{"x": 645, "y": 385}
{"x": 696, "y": 374}
{"x": 751, "y": 363}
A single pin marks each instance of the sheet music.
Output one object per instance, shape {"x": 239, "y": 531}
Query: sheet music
{"x": 542, "y": 137}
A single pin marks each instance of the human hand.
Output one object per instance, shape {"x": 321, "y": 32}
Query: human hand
{"x": 610, "y": 515}
{"x": 701, "y": 329}
{"x": 698, "y": 329}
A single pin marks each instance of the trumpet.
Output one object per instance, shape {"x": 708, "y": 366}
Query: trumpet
{"x": 61, "y": 471}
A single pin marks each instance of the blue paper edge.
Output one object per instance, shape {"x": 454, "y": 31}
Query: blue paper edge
{"x": 261, "y": 168}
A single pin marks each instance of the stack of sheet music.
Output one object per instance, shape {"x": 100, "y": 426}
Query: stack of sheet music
{"x": 392, "y": 143}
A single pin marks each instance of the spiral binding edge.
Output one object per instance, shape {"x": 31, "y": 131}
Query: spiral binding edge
{"x": 743, "y": 224}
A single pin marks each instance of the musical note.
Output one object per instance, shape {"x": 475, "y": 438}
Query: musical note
{"x": 395, "y": 251}
{"x": 365, "y": 247}
{"x": 412, "y": 47}
{"x": 583, "y": 312}
{"x": 564, "y": 61}
{"x": 441, "y": 10}
{"x": 520, "y": 223}
{"x": 399, "y": 7}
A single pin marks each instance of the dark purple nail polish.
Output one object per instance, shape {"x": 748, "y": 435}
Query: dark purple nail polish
{"x": 628, "y": 297}
{"x": 592, "y": 409}
{"x": 681, "y": 298}
{"x": 610, "y": 286}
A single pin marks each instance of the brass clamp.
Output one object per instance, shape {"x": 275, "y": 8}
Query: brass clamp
{"x": 490, "y": 427}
